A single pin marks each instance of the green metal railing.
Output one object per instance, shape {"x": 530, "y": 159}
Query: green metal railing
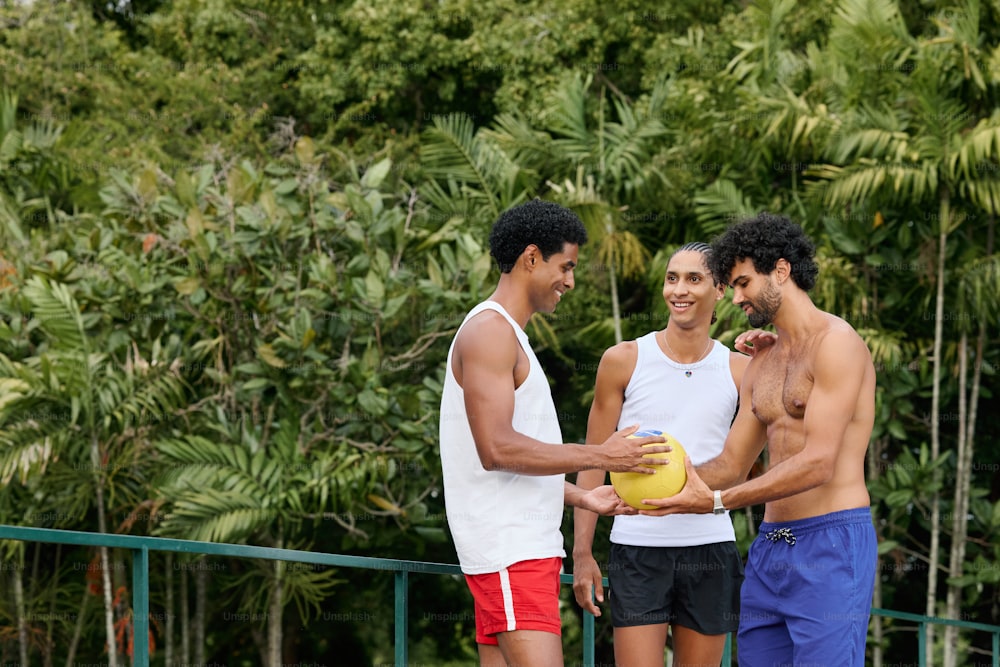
{"x": 141, "y": 546}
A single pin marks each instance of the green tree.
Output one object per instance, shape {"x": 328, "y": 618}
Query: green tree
{"x": 929, "y": 147}
{"x": 594, "y": 165}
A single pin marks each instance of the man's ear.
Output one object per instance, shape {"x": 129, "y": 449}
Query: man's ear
{"x": 531, "y": 256}
{"x": 782, "y": 270}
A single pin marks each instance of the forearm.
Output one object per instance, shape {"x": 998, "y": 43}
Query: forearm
{"x": 790, "y": 477}
{"x": 573, "y": 496}
{"x": 720, "y": 473}
{"x": 585, "y": 521}
{"x": 526, "y": 456}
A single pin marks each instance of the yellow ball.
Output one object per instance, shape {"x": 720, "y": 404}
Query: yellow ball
{"x": 665, "y": 482}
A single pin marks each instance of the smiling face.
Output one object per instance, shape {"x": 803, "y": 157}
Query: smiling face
{"x": 688, "y": 288}
{"x": 755, "y": 293}
{"x": 553, "y": 277}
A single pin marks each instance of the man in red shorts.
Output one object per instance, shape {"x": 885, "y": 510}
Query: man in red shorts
{"x": 501, "y": 445}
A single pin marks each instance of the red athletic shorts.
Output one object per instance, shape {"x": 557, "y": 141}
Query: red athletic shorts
{"x": 524, "y": 596}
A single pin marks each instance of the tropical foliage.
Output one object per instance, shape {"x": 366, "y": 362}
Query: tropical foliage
{"x": 236, "y": 238}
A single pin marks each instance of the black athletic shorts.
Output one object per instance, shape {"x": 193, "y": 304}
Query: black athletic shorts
{"x": 697, "y": 587}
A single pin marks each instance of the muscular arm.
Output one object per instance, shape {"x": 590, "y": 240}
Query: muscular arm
{"x": 745, "y": 440}
{"x": 838, "y": 374}
{"x": 613, "y": 373}
{"x": 484, "y": 360}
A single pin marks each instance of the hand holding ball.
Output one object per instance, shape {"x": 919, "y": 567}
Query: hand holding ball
{"x": 666, "y": 481}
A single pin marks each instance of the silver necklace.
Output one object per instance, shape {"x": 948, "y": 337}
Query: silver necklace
{"x": 674, "y": 355}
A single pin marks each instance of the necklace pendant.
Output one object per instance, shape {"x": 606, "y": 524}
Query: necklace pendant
{"x": 687, "y": 373}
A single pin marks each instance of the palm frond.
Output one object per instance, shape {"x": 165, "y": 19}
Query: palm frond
{"x": 720, "y": 204}
{"x": 214, "y": 515}
{"x": 871, "y": 140}
{"x": 984, "y": 194}
{"x": 23, "y": 451}
{"x": 568, "y": 121}
{"x": 525, "y": 144}
{"x": 886, "y": 347}
{"x": 450, "y": 150}
{"x": 978, "y": 151}
{"x": 144, "y": 400}
{"x": 57, "y": 312}
{"x": 870, "y": 27}
{"x": 623, "y": 250}
{"x": 628, "y": 145}
{"x": 978, "y": 290}
{"x": 896, "y": 181}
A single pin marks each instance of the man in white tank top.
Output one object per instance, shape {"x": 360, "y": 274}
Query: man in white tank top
{"x": 501, "y": 447}
{"x": 680, "y": 573}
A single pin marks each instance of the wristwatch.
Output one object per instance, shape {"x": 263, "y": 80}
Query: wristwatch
{"x": 719, "y": 507}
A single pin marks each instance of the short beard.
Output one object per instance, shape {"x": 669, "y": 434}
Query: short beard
{"x": 766, "y": 307}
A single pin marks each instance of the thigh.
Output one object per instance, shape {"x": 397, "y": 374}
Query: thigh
{"x": 640, "y": 645}
{"x": 694, "y": 649}
{"x": 706, "y": 595}
{"x": 524, "y": 596}
{"x": 491, "y": 656}
{"x": 531, "y": 648}
{"x": 834, "y": 580}
{"x": 763, "y": 638}
{"x": 640, "y": 584}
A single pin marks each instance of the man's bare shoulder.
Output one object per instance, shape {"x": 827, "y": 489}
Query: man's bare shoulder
{"x": 484, "y": 332}
{"x": 619, "y": 361}
{"x": 738, "y": 363}
{"x": 623, "y": 351}
{"x": 838, "y": 332}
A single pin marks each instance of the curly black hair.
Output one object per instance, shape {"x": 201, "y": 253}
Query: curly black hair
{"x": 542, "y": 223}
{"x": 764, "y": 239}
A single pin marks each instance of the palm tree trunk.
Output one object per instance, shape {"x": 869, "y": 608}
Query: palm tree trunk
{"x": 109, "y": 615}
{"x": 967, "y": 413}
{"x": 185, "y": 620}
{"x": 22, "y": 621}
{"x": 944, "y": 220}
{"x": 54, "y": 588}
{"x": 874, "y": 456}
{"x": 957, "y": 540}
{"x": 200, "y": 586}
{"x": 77, "y": 630}
{"x": 277, "y": 603}
{"x": 274, "y": 615}
{"x": 168, "y": 644}
{"x": 616, "y": 314}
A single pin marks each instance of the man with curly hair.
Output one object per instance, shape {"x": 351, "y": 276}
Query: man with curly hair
{"x": 501, "y": 446}
{"x": 809, "y": 394}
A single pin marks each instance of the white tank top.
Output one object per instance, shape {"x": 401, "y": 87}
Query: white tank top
{"x": 500, "y": 518}
{"x": 695, "y": 403}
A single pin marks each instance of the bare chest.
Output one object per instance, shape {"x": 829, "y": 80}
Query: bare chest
{"x": 782, "y": 386}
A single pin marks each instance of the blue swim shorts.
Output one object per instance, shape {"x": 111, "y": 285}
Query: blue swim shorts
{"x": 807, "y": 593}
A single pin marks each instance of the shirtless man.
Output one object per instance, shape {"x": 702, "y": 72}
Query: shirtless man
{"x": 810, "y": 396}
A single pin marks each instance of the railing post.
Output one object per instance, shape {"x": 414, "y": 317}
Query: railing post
{"x": 727, "y": 651}
{"x": 140, "y": 607}
{"x": 922, "y": 644}
{"x": 996, "y": 649}
{"x": 402, "y": 607}
{"x": 588, "y": 639}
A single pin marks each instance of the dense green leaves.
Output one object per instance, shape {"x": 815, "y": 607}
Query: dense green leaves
{"x": 237, "y": 238}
